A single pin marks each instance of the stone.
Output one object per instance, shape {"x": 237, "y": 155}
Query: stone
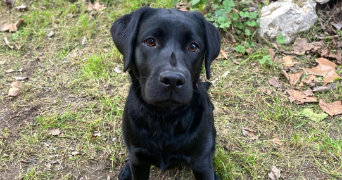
{"x": 322, "y": 1}
{"x": 287, "y": 18}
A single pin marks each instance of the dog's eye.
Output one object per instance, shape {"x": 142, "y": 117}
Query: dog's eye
{"x": 150, "y": 42}
{"x": 193, "y": 47}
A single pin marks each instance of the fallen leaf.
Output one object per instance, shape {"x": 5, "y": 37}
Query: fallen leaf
{"x": 292, "y": 78}
{"x": 83, "y": 41}
{"x": 326, "y": 69}
{"x": 97, "y": 6}
{"x": 307, "y": 112}
{"x": 225, "y": 74}
{"x": 18, "y": 78}
{"x": 96, "y": 134}
{"x": 271, "y": 53}
{"x": 51, "y": 34}
{"x": 2, "y": 62}
{"x": 248, "y": 132}
{"x": 11, "y": 27}
{"x": 274, "y": 174}
{"x": 277, "y": 141}
{"x": 299, "y": 97}
{"x": 321, "y": 89}
{"x": 117, "y": 69}
{"x": 74, "y": 153}
{"x": 309, "y": 93}
{"x": 15, "y": 89}
{"x": 55, "y": 132}
{"x": 8, "y": 43}
{"x": 224, "y": 54}
{"x": 332, "y": 109}
{"x": 21, "y": 7}
{"x": 236, "y": 62}
{"x": 288, "y": 61}
{"x": 9, "y": 70}
{"x": 275, "y": 83}
{"x": 328, "y": 54}
{"x": 310, "y": 80}
{"x": 300, "y": 46}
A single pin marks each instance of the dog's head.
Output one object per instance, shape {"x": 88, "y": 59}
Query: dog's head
{"x": 165, "y": 49}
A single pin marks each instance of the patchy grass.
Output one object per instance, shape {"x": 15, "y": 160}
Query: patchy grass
{"x": 74, "y": 88}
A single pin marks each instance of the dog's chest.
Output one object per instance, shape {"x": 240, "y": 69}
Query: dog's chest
{"x": 166, "y": 142}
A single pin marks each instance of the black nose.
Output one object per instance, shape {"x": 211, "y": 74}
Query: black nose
{"x": 172, "y": 79}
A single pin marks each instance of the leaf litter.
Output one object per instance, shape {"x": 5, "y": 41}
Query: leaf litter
{"x": 11, "y": 27}
{"x": 332, "y": 109}
{"x": 324, "y": 68}
{"x": 15, "y": 89}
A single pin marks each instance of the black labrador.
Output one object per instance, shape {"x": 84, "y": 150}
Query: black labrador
{"x": 168, "y": 116}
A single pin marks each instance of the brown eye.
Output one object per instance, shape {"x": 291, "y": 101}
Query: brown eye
{"x": 150, "y": 42}
{"x": 193, "y": 47}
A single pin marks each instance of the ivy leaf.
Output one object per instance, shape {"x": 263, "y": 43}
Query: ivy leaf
{"x": 244, "y": 14}
{"x": 228, "y": 3}
{"x": 248, "y": 32}
{"x": 251, "y": 23}
{"x": 265, "y": 59}
{"x": 253, "y": 15}
{"x": 235, "y": 16}
{"x": 247, "y": 44}
{"x": 194, "y": 2}
{"x": 240, "y": 49}
{"x": 281, "y": 38}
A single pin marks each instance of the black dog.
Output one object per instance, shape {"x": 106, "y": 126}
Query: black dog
{"x": 168, "y": 117}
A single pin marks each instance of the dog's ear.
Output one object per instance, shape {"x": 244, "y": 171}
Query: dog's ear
{"x": 212, "y": 45}
{"x": 124, "y": 31}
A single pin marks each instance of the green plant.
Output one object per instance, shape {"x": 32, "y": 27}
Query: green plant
{"x": 266, "y": 59}
{"x": 281, "y": 39}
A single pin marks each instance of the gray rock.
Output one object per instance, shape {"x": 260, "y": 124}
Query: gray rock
{"x": 322, "y": 1}
{"x": 287, "y": 18}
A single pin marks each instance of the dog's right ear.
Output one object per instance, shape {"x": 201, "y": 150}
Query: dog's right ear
{"x": 124, "y": 31}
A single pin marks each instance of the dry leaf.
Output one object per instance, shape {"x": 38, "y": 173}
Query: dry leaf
{"x": 55, "y": 132}
{"x": 299, "y": 97}
{"x": 309, "y": 93}
{"x": 2, "y": 62}
{"x": 275, "y": 83}
{"x": 326, "y": 53}
{"x": 324, "y": 68}
{"x": 21, "y": 7}
{"x": 332, "y": 109}
{"x": 51, "y": 34}
{"x": 117, "y": 69}
{"x": 224, "y": 54}
{"x": 248, "y": 132}
{"x": 301, "y": 46}
{"x": 11, "y": 27}
{"x": 310, "y": 80}
{"x": 288, "y": 61}
{"x": 8, "y": 43}
{"x": 20, "y": 78}
{"x": 321, "y": 89}
{"x": 271, "y": 53}
{"x": 74, "y": 153}
{"x": 236, "y": 62}
{"x": 15, "y": 89}
{"x": 292, "y": 78}
{"x": 274, "y": 174}
{"x": 97, "y": 6}
{"x": 225, "y": 74}
{"x": 277, "y": 141}
{"x": 9, "y": 71}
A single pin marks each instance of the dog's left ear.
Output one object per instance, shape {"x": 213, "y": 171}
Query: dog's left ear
{"x": 124, "y": 31}
{"x": 212, "y": 45}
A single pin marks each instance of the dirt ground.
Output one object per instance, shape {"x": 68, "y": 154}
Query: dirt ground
{"x": 66, "y": 121}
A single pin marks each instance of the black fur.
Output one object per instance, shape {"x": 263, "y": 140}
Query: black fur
{"x": 168, "y": 117}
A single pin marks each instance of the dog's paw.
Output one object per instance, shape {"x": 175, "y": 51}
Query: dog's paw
{"x": 216, "y": 177}
{"x": 125, "y": 173}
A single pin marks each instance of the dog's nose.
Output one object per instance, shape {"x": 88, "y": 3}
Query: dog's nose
{"x": 172, "y": 79}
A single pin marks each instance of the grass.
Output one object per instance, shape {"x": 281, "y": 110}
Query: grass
{"x": 74, "y": 88}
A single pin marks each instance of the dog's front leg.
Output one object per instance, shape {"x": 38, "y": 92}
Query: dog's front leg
{"x": 140, "y": 171}
{"x": 204, "y": 170}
